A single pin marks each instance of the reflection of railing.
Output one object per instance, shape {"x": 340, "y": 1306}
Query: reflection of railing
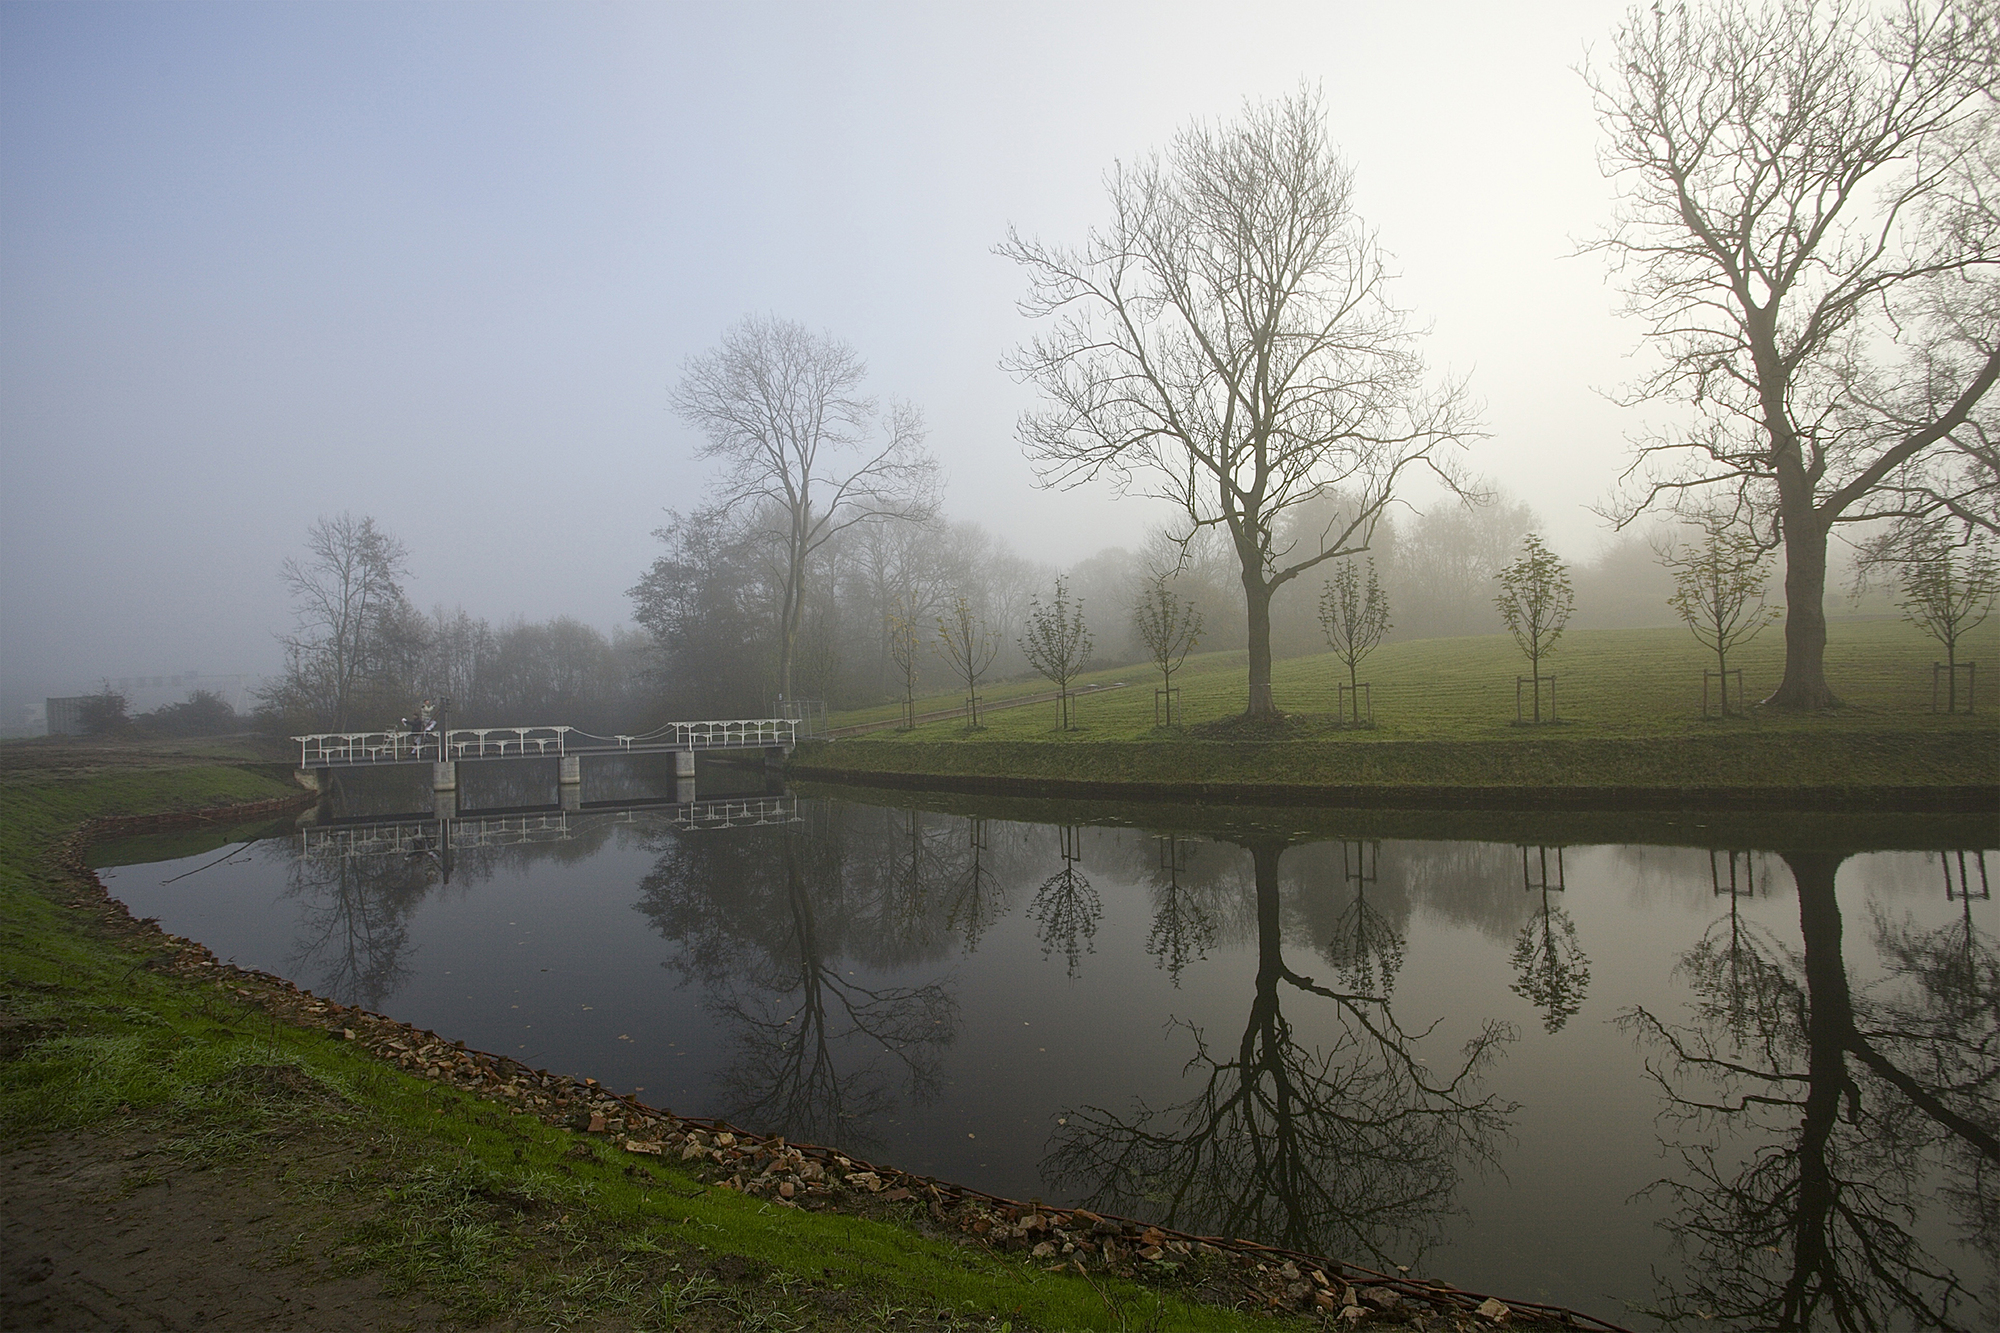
{"x": 743, "y": 813}
{"x": 414, "y": 837}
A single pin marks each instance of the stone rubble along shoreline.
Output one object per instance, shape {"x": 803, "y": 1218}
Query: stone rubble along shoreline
{"x": 809, "y": 1176}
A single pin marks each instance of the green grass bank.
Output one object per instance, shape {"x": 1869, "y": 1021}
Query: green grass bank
{"x": 1629, "y": 734}
{"x": 211, "y": 1096}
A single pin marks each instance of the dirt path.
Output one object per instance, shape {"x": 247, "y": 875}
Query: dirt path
{"x": 108, "y": 1230}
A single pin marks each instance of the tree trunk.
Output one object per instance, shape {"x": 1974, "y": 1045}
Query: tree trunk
{"x": 1829, "y": 1023}
{"x": 1257, "y": 596}
{"x": 1804, "y": 687}
{"x": 788, "y": 623}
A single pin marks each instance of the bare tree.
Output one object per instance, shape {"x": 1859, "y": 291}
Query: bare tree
{"x": 1169, "y": 627}
{"x": 1948, "y": 591}
{"x": 1227, "y": 343}
{"x": 1057, "y": 644}
{"x": 347, "y": 595}
{"x": 903, "y": 648}
{"x": 783, "y": 410}
{"x": 970, "y": 648}
{"x": 1354, "y": 620}
{"x": 1719, "y": 588}
{"x": 1535, "y": 600}
{"x": 1791, "y": 174}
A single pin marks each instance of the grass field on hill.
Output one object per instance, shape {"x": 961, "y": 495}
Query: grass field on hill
{"x": 1608, "y": 682}
{"x": 1629, "y": 704}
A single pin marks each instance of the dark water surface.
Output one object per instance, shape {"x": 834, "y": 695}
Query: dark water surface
{"x": 1733, "y": 1072}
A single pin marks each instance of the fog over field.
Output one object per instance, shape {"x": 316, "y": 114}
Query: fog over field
{"x": 443, "y": 265}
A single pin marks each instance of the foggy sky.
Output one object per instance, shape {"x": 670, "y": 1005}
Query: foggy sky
{"x": 442, "y": 264}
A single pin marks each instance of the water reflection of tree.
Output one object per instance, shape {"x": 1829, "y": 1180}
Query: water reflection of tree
{"x": 1350, "y": 1149}
{"x": 975, "y": 896}
{"x": 353, "y": 937}
{"x": 767, "y": 917}
{"x": 1551, "y": 970}
{"x": 1852, "y": 1105}
{"x": 1365, "y": 946}
{"x": 1184, "y": 927}
{"x": 355, "y": 909}
{"x": 1066, "y": 909}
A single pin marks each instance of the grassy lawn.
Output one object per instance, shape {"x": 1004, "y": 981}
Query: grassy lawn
{"x": 1629, "y": 703}
{"x": 117, "y": 1037}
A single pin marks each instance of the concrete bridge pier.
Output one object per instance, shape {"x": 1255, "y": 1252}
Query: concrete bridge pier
{"x": 570, "y": 794}
{"x": 684, "y": 791}
{"x": 444, "y": 777}
{"x": 683, "y": 763}
{"x": 312, "y": 779}
{"x": 444, "y": 803}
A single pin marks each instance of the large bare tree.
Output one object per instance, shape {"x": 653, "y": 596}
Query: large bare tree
{"x": 1227, "y": 342}
{"x": 1793, "y": 233}
{"x": 351, "y": 620}
{"x": 784, "y": 412}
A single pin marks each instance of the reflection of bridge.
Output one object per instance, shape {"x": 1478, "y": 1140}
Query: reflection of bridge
{"x": 414, "y": 837}
{"x": 775, "y": 737}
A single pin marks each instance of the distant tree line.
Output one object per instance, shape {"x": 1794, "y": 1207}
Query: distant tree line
{"x": 360, "y": 655}
{"x": 203, "y": 713}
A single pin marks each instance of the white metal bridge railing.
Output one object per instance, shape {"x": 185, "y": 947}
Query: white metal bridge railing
{"x": 327, "y": 749}
{"x": 742, "y": 734}
{"x": 403, "y": 747}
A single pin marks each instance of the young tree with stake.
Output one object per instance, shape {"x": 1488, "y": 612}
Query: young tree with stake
{"x": 1719, "y": 589}
{"x": 1057, "y": 644}
{"x": 969, "y": 648}
{"x": 1535, "y": 600}
{"x": 1354, "y": 619}
{"x": 905, "y": 651}
{"x": 1948, "y": 591}
{"x": 1170, "y": 628}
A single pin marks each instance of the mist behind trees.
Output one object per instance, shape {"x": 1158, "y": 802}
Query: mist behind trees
{"x": 709, "y": 602}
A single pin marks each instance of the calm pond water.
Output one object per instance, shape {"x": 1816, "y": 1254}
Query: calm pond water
{"x": 1728, "y": 1071}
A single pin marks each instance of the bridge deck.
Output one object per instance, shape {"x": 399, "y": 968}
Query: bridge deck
{"x": 344, "y": 749}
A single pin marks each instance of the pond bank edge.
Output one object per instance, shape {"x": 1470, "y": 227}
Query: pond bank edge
{"x": 500, "y": 1078}
{"x": 1958, "y": 799}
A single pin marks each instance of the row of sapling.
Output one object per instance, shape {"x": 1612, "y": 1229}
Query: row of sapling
{"x": 1056, "y": 642}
